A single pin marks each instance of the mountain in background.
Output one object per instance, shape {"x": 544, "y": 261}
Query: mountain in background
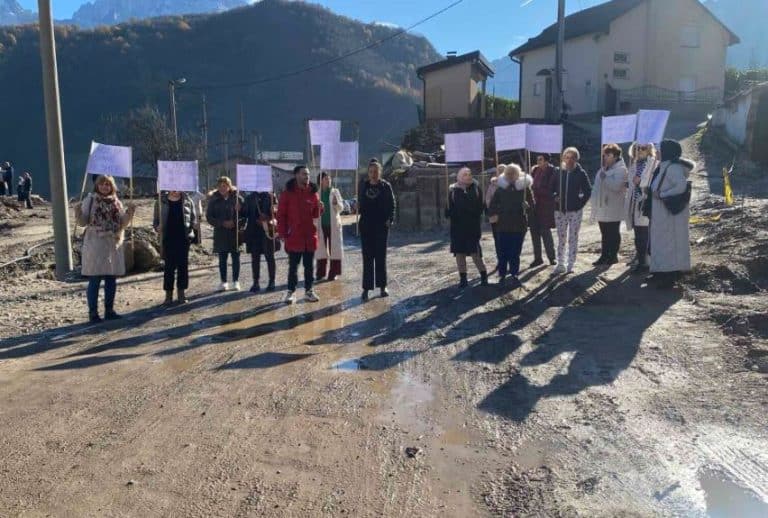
{"x": 106, "y": 72}
{"x": 506, "y": 80}
{"x": 111, "y": 12}
{"x": 747, "y": 19}
{"x": 11, "y": 13}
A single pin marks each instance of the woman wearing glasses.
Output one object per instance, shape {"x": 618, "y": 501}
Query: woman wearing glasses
{"x": 643, "y": 164}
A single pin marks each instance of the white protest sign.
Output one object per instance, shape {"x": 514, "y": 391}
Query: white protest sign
{"x": 619, "y": 129}
{"x": 340, "y": 156}
{"x": 651, "y": 125}
{"x": 324, "y": 132}
{"x": 464, "y": 147}
{"x": 110, "y": 160}
{"x": 254, "y": 178}
{"x": 177, "y": 176}
{"x": 510, "y": 137}
{"x": 544, "y": 138}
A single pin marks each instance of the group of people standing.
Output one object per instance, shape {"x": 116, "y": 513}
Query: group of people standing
{"x": 649, "y": 196}
{"x": 23, "y": 186}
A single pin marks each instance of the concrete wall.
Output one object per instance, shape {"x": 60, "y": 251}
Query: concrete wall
{"x": 448, "y": 92}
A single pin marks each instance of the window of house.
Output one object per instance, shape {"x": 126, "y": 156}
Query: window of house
{"x": 690, "y": 36}
{"x": 537, "y": 89}
{"x": 620, "y": 73}
{"x": 621, "y": 57}
{"x": 688, "y": 86}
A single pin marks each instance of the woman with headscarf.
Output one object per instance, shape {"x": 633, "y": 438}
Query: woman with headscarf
{"x": 465, "y": 211}
{"x": 543, "y": 220}
{"x": 670, "y": 211}
{"x": 224, "y": 215}
{"x": 643, "y": 157}
{"x": 608, "y": 203}
{"x": 104, "y": 218}
{"x": 331, "y": 242}
{"x": 510, "y": 211}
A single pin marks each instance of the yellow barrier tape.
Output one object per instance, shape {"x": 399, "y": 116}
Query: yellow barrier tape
{"x": 698, "y": 220}
{"x": 727, "y": 189}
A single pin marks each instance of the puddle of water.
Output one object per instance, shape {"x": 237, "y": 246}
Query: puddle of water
{"x": 350, "y": 365}
{"x": 726, "y": 499}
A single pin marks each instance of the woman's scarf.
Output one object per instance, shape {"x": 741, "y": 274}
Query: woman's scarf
{"x": 640, "y": 166}
{"x": 106, "y": 214}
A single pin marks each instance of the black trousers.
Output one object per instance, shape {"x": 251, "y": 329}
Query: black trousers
{"x": 308, "y": 259}
{"x": 611, "y": 240}
{"x": 374, "y": 241}
{"x": 642, "y": 238}
{"x": 176, "y": 265}
{"x": 539, "y": 234}
{"x": 269, "y": 257}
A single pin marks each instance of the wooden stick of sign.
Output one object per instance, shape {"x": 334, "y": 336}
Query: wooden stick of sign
{"x": 82, "y": 195}
{"x": 133, "y": 243}
{"x": 160, "y": 221}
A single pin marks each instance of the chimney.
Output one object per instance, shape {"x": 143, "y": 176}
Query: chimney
{"x": 452, "y": 54}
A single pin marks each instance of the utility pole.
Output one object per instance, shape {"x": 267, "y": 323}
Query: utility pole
{"x": 205, "y": 144}
{"x": 172, "y": 84}
{"x": 56, "y": 167}
{"x": 559, "y": 86}
{"x": 242, "y": 130}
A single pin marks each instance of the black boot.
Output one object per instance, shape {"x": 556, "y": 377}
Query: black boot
{"x": 365, "y": 296}
{"x": 536, "y": 263}
{"x": 483, "y": 278}
{"x": 271, "y": 285}
{"x": 93, "y": 317}
{"x": 168, "y": 299}
{"x": 182, "y": 297}
{"x": 110, "y": 314}
{"x": 463, "y": 283}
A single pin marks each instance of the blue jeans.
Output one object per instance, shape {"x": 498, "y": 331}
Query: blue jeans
{"x": 92, "y": 293}
{"x": 509, "y": 249}
{"x": 235, "y": 266}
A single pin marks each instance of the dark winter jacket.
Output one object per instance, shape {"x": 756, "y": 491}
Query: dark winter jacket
{"x": 219, "y": 211}
{"x": 572, "y": 189}
{"x": 8, "y": 176}
{"x": 296, "y": 213}
{"x": 513, "y": 205}
{"x": 160, "y": 220}
{"x": 465, "y": 210}
{"x": 544, "y": 183}
{"x": 376, "y": 204}
{"x": 260, "y": 208}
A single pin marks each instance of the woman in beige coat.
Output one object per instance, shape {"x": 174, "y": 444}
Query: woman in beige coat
{"x": 104, "y": 218}
{"x": 608, "y": 203}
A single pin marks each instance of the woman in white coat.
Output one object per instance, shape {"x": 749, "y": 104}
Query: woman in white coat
{"x": 608, "y": 203}
{"x": 643, "y": 164}
{"x": 670, "y": 245}
{"x": 329, "y": 230}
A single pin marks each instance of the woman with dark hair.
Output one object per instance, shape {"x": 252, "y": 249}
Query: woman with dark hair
{"x": 223, "y": 213}
{"x": 377, "y": 211}
{"x": 640, "y": 172}
{"x": 608, "y": 203}
{"x": 175, "y": 221}
{"x": 543, "y": 214}
{"x": 465, "y": 210}
{"x": 331, "y": 241}
{"x": 670, "y": 211}
{"x": 260, "y": 235}
{"x": 104, "y": 218}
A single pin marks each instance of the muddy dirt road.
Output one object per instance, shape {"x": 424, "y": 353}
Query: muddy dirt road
{"x": 588, "y": 395}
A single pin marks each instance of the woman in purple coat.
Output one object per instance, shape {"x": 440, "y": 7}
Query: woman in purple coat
{"x": 543, "y": 220}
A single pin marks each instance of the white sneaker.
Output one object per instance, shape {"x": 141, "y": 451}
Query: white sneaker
{"x": 311, "y": 296}
{"x": 290, "y": 298}
{"x": 224, "y": 286}
{"x": 559, "y": 270}
{"x": 235, "y": 286}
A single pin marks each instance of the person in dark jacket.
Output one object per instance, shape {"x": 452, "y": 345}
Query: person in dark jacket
{"x": 297, "y": 210}
{"x": 26, "y": 190}
{"x": 572, "y": 192}
{"x": 465, "y": 210}
{"x": 8, "y": 178}
{"x": 543, "y": 214}
{"x": 377, "y": 212}
{"x": 261, "y": 235}
{"x": 510, "y": 210}
{"x": 175, "y": 221}
{"x": 224, "y": 214}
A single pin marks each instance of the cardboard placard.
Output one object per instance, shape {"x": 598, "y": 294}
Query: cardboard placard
{"x": 254, "y": 178}
{"x": 651, "y": 126}
{"x": 341, "y": 156}
{"x": 544, "y": 138}
{"x": 619, "y": 129}
{"x": 509, "y": 138}
{"x": 464, "y": 147}
{"x": 110, "y": 160}
{"x": 324, "y": 132}
{"x": 177, "y": 176}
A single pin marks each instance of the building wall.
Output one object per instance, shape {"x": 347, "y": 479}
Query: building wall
{"x": 627, "y": 35}
{"x": 448, "y": 92}
{"x": 734, "y": 118}
{"x": 533, "y": 102}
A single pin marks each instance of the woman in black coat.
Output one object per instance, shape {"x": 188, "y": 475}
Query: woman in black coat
{"x": 224, "y": 214}
{"x": 260, "y": 235}
{"x": 465, "y": 210}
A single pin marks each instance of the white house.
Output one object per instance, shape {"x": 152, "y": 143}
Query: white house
{"x": 627, "y": 54}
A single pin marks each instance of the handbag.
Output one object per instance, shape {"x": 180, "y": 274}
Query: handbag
{"x": 676, "y": 203}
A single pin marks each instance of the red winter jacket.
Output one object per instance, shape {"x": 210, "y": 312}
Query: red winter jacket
{"x": 296, "y": 212}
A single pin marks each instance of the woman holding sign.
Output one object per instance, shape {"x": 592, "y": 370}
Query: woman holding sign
{"x": 175, "y": 215}
{"x": 260, "y": 235}
{"x": 640, "y": 172}
{"x": 608, "y": 203}
{"x": 104, "y": 218}
{"x": 331, "y": 243}
{"x": 224, "y": 214}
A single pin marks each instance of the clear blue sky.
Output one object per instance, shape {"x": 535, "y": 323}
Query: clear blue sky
{"x": 493, "y": 26}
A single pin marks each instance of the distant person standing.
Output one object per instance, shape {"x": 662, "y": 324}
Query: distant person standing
{"x": 465, "y": 211}
{"x": 297, "y": 210}
{"x": 260, "y": 236}
{"x": 8, "y": 178}
{"x": 377, "y": 212}
{"x": 26, "y": 189}
{"x": 104, "y": 218}
{"x": 223, "y": 213}
{"x": 572, "y": 192}
{"x": 543, "y": 214}
{"x": 402, "y": 161}
{"x": 331, "y": 246}
{"x": 640, "y": 173}
{"x": 175, "y": 220}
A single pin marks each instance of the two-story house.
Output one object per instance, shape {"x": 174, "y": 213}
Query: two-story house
{"x": 627, "y": 54}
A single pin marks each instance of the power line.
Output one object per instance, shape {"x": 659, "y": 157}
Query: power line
{"x": 332, "y": 60}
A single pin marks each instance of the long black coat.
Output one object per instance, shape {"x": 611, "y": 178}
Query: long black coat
{"x": 259, "y": 208}
{"x": 465, "y": 210}
{"x": 221, "y": 210}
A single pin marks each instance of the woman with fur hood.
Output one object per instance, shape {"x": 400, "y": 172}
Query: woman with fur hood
{"x": 465, "y": 210}
{"x": 608, "y": 203}
{"x": 104, "y": 218}
{"x": 643, "y": 164}
{"x": 510, "y": 211}
{"x": 330, "y": 247}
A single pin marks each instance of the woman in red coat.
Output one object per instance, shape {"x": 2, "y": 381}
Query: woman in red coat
{"x": 543, "y": 220}
{"x": 297, "y": 210}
